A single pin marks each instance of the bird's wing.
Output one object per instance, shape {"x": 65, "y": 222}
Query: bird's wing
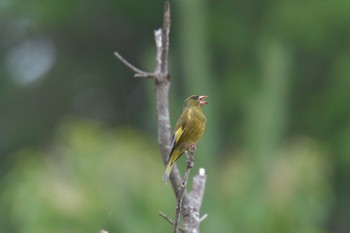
{"x": 180, "y": 128}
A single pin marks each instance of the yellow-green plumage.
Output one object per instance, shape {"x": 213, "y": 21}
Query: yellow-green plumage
{"x": 188, "y": 130}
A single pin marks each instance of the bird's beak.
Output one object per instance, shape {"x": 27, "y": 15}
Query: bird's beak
{"x": 201, "y": 99}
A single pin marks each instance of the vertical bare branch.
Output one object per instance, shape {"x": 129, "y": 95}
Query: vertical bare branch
{"x": 186, "y": 203}
{"x": 162, "y": 42}
{"x": 182, "y": 189}
{"x": 192, "y": 205}
{"x": 162, "y": 82}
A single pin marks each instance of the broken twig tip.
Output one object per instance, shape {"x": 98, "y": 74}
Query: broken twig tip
{"x": 203, "y": 217}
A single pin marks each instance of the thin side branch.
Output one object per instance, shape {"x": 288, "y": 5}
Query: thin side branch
{"x": 138, "y": 72}
{"x": 170, "y": 221}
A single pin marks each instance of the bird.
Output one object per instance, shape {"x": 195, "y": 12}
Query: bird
{"x": 188, "y": 130}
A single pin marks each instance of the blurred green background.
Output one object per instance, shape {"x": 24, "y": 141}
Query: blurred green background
{"x": 78, "y": 149}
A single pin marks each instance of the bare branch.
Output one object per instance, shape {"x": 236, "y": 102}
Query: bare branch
{"x": 162, "y": 91}
{"x": 138, "y": 72}
{"x": 191, "y": 206}
{"x": 180, "y": 194}
{"x": 198, "y": 186}
{"x": 169, "y": 220}
{"x": 166, "y": 217}
{"x": 162, "y": 41}
{"x": 188, "y": 204}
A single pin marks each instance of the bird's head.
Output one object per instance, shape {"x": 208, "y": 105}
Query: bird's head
{"x": 195, "y": 101}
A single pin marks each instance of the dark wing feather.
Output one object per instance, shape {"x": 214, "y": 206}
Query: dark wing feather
{"x": 180, "y": 128}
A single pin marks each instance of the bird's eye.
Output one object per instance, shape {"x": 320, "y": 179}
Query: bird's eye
{"x": 195, "y": 97}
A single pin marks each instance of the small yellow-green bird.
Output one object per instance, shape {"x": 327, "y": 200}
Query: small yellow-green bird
{"x": 188, "y": 130}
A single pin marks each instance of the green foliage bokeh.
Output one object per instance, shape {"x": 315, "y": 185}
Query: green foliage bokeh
{"x": 95, "y": 178}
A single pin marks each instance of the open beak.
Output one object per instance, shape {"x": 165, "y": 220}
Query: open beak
{"x": 201, "y": 99}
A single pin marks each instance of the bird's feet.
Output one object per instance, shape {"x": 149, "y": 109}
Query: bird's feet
{"x": 192, "y": 148}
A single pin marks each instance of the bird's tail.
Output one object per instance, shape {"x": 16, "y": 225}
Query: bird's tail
{"x": 172, "y": 158}
{"x": 167, "y": 172}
